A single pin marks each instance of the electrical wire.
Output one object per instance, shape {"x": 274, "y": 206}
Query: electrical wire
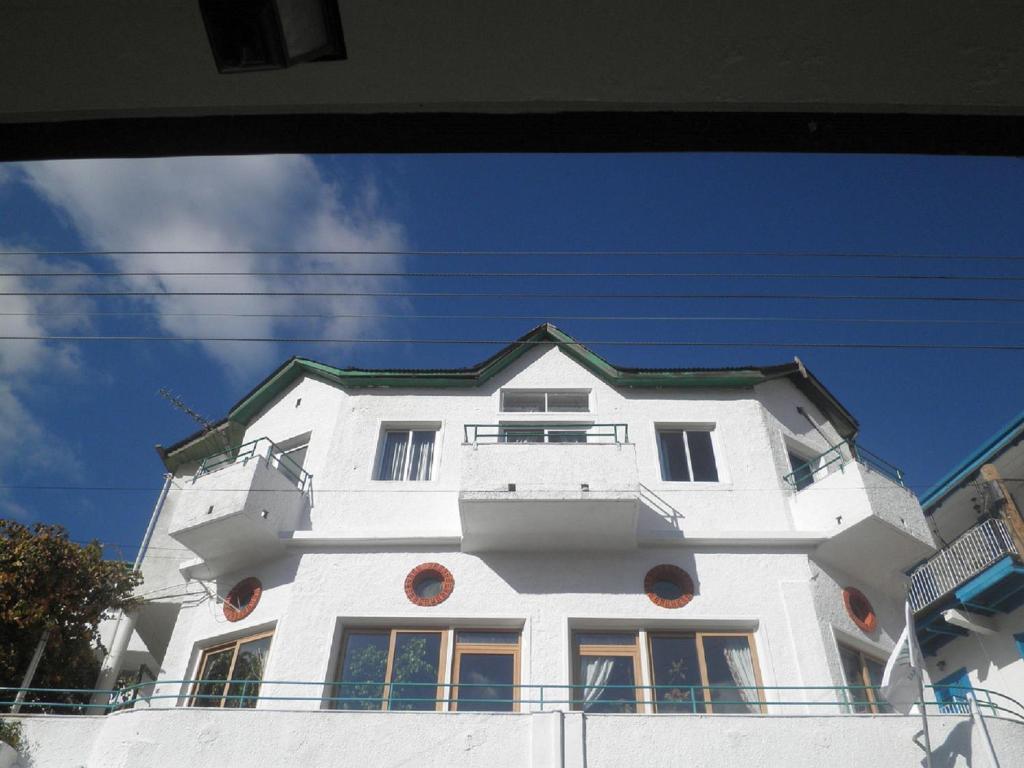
{"x": 789, "y": 276}
{"x": 599, "y": 343}
{"x": 535, "y": 295}
{"x": 540, "y": 316}
{"x": 625, "y": 253}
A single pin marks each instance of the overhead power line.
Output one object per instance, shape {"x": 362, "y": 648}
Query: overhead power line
{"x": 505, "y": 342}
{"x": 506, "y": 274}
{"x": 533, "y": 317}
{"x": 536, "y": 295}
{"x": 676, "y": 253}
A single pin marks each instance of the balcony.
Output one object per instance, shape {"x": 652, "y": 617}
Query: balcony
{"x": 980, "y": 571}
{"x": 291, "y": 727}
{"x": 550, "y": 486}
{"x": 875, "y": 525}
{"x": 235, "y": 509}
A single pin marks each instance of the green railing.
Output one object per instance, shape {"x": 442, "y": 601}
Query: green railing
{"x": 641, "y": 699}
{"x": 616, "y": 434}
{"x": 837, "y": 457}
{"x": 261, "y": 447}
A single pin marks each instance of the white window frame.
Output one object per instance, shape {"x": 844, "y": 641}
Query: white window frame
{"x": 716, "y": 450}
{"x": 582, "y": 428}
{"x": 408, "y": 429}
{"x": 546, "y": 393}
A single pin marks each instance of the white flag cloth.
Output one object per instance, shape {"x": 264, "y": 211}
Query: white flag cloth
{"x": 901, "y": 681}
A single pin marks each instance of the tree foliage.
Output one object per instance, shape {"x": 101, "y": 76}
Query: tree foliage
{"x": 49, "y": 582}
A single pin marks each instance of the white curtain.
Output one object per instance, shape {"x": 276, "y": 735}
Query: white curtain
{"x": 394, "y": 456}
{"x": 741, "y": 667}
{"x": 596, "y": 671}
{"x": 421, "y": 456}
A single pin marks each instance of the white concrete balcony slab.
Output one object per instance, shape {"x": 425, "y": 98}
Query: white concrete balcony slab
{"x": 235, "y": 513}
{"x": 874, "y": 524}
{"x": 223, "y": 738}
{"x": 549, "y": 495}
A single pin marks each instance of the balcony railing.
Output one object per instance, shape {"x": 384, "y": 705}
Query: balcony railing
{"x": 834, "y": 459}
{"x": 614, "y": 434}
{"x": 970, "y": 554}
{"x": 261, "y": 447}
{"x": 432, "y": 696}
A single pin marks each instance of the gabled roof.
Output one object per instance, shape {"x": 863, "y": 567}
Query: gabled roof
{"x": 621, "y": 377}
{"x": 1006, "y": 436}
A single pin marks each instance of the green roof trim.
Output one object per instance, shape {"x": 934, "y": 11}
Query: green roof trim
{"x": 270, "y": 388}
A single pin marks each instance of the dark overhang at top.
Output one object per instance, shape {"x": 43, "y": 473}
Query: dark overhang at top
{"x": 126, "y": 78}
{"x": 230, "y": 429}
{"x": 1005, "y": 438}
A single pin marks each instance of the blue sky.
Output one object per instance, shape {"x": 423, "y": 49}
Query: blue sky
{"x": 88, "y": 414}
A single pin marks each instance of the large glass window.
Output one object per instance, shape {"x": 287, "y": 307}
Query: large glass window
{"x": 407, "y": 454}
{"x": 390, "y": 669}
{"x": 687, "y": 455}
{"x": 704, "y": 672}
{"x": 404, "y": 669}
{"x": 229, "y": 675}
{"x": 863, "y": 677}
{"x": 607, "y": 671}
{"x": 486, "y": 671}
{"x": 696, "y": 672}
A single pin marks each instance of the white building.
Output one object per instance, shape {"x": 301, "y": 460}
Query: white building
{"x": 542, "y": 560}
{"x": 969, "y": 596}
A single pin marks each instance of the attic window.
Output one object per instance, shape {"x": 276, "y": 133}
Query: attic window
{"x": 545, "y": 401}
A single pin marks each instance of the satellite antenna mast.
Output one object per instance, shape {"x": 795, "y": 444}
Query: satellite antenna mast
{"x": 205, "y": 423}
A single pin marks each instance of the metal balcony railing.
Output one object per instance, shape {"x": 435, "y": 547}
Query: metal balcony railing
{"x": 970, "y": 554}
{"x": 609, "y": 434}
{"x": 432, "y": 696}
{"x": 261, "y": 447}
{"x": 837, "y": 457}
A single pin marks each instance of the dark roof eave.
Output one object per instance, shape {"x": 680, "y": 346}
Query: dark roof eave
{"x": 1002, "y": 439}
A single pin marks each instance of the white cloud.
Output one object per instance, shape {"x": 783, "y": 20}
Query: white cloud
{"x": 27, "y": 447}
{"x": 228, "y": 203}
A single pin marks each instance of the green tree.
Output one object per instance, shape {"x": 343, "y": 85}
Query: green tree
{"x": 50, "y": 582}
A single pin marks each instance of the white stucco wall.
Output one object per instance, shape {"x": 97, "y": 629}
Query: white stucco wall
{"x": 230, "y": 738}
{"x": 750, "y": 429}
{"x": 992, "y": 661}
{"x": 745, "y": 540}
{"x": 311, "y": 597}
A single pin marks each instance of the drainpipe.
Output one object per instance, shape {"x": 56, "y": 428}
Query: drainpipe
{"x": 125, "y": 625}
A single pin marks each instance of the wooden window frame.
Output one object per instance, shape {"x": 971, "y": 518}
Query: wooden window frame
{"x": 580, "y": 651}
{"x": 448, "y": 636}
{"x": 206, "y": 653}
{"x": 496, "y": 649}
{"x": 698, "y": 636}
{"x": 865, "y": 679}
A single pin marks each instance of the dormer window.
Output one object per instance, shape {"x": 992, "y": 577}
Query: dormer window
{"x": 545, "y": 401}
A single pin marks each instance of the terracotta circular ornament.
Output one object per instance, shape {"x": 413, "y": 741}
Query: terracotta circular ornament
{"x": 429, "y": 584}
{"x": 243, "y": 599}
{"x": 859, "y": 609}
{"x": 668, "y": 586}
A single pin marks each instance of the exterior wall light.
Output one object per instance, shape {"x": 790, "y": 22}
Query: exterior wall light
{"x": 253, "y": 35}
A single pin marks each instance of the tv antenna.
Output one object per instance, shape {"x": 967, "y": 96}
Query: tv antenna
{"x": 205, "y": 423}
